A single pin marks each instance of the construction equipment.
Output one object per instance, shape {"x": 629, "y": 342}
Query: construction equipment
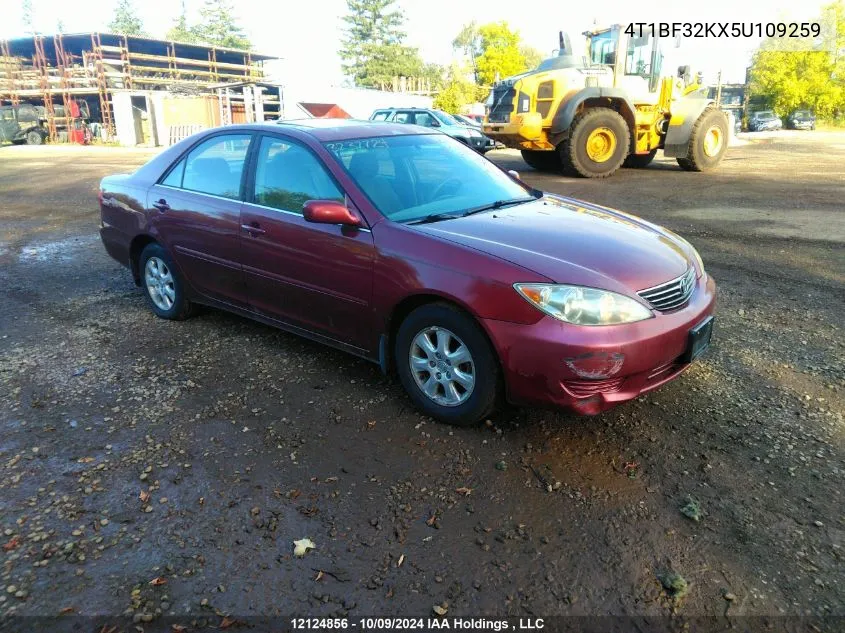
{"x": 590, "y": 115}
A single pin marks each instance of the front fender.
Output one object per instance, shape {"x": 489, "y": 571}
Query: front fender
{"x": 566, "y": 112}
{"x": 685, "y": 113}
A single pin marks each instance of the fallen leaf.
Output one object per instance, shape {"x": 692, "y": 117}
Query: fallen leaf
{"x": 158, "y": 580}
{"x": 430, "y": 521}
{"x": 401, "y": 560}
{"x": 85, "y": 460}
{"x": 463, "y": 490}
{"x": 319, "y": 575}
{"x": 66, "y": 610}
{"x": 144, "y": 496}
{"x": 439, "y": 610}
{"x": 226, "y": 622}
{"x": 12, "y": 544}
{"x": 178, "y": 628}
{"x": 301, "y": 546}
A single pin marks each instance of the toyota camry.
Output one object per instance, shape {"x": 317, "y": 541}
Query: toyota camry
{"x": 403, "y": 246}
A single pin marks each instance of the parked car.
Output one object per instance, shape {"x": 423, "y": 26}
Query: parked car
{"x": 446, "y": 123}
{"x": 399, "y": 245}
{"x": 801, "y": 120}
{"x": 21, "y": 124}
{"x": 764, "y": 121}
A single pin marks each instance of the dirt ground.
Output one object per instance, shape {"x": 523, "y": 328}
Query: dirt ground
{"x": 154, "y": 468}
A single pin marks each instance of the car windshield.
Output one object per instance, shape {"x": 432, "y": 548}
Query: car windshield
{"x": 448, "y": 119}
{"x": 801, "y": 114}
{"x": 766, "y": 114}
{"x": 414, "y": 177}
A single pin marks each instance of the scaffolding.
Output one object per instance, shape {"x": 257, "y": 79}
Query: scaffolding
{"x": 95, "y": 66}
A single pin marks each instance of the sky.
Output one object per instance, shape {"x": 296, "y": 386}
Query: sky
{"x": 307, "y": 33}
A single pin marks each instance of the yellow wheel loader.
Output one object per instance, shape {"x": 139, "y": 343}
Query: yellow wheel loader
{"x": 590, "y": 115}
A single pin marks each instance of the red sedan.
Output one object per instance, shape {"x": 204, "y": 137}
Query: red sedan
{"x": 401, "y": 245}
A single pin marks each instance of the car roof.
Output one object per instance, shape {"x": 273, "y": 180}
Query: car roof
{"x": 341, "y": 129}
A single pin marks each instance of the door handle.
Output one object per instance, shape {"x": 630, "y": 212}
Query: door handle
{"x": 161, "y": 205}
{"x": 253, "y": 229}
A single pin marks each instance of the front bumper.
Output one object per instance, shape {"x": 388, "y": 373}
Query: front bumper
{"x": 591, "y": 369}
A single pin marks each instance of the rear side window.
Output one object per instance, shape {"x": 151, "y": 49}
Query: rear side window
{"x": 213, "y": 167}
{"x": 287, "y": 175}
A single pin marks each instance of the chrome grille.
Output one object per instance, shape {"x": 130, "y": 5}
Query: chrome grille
{"x": 671, "y": 295}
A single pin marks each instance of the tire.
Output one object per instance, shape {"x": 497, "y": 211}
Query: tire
{"x": 541, "y": 160}
{"x": 596, "y": 123}
{"x": 169, "y": 302}
{"x": 433, "y": 321}
{"x": 699, "y": 158}
{"x": 640, "y": 161}
{"x": 34, "y": 137}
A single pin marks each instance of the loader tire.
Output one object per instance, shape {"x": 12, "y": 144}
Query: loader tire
{"x": 597, "y": 145}
{"x": 639, "y": 161}
{"x": 708, "y": 141}
{"x": 541, "y": 160}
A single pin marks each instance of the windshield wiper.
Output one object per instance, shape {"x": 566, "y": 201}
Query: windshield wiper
{"x": 496, "y": 205}
{"x": 435, "y": 217}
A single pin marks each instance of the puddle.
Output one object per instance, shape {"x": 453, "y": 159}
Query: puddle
{"x": 57, "y": 251}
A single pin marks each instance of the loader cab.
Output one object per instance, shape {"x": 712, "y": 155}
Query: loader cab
{"x": 636, "y": 61}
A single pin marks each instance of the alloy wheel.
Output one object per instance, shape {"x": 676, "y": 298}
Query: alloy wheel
{"x": 160, "y": 284}
{"x": 442, "y": 366}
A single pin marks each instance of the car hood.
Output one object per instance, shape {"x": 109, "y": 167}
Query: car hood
{"x": 569, "y": 241}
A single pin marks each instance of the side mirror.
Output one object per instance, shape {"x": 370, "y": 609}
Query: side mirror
{"x": 435, "y": 123}
{"x": 514, "y": 174}
{"x": 329, "y": 212}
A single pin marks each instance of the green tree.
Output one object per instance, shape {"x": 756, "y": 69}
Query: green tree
{"x": 180, "y": 31}
{"x": 125, "y": 20}
{"x": 532, "y": 56}
{"x": 790, "y": 78}
{"x": 373, "y": 49}
{"x": 494, "y": 49}
{"x": 218, "y": 26}
{"x": 501, "y": 54}
{"x": 458, "y": 91}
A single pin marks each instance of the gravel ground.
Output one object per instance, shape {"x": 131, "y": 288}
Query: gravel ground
{"x": 154, "y": 468}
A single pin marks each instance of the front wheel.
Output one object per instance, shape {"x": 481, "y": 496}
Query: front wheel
{"x": 708, "y": 141}
{"x": 597, "y": 145}
{"x": 447, "y": 365}
{"x": 34, "y": 137}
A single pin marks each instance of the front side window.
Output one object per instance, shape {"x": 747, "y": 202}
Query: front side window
{"x": 411, "y": 177}
{"x": 603, "y": 48}
{"x": 425, "y": 119}
{"x": 287, "y": 175}
{"x": 380, "y": 116}
{"x": 214, "y": 167}
{"x": 404, "y": 117}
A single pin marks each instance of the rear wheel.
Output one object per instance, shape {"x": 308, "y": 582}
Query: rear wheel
{"x": 542, "y": 160}
{"x": 597, "y": 144}
{"x": 447, "y": 365}
{"x": 34, "y": 137}
{"x": 708, "y": 141}
{"x": 162, "y": 284}
{"x": 639, "y": 161}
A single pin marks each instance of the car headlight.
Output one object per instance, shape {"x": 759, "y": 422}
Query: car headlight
{"x": 474, "y": 133}
{"x": 583, "y": 306}
{"x": 697, "y": 257}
